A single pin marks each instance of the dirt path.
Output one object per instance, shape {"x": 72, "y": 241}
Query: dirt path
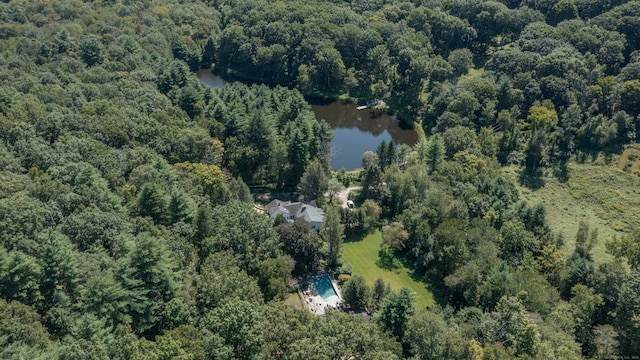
{"x": 343, "y": 195}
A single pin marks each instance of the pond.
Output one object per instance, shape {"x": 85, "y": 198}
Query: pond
{"x": 355, "y": 131}
{"x": 210, "y": 79}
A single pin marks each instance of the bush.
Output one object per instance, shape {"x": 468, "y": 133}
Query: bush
{"x": 342, "y": 278}
{"x": 345, "y": 269}
{"x": 387, "y": 260}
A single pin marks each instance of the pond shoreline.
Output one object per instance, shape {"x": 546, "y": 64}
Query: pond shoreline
{"x": 355, "y": 131}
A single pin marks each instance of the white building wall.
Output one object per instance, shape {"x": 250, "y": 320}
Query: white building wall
{"x": 315, "y": 225}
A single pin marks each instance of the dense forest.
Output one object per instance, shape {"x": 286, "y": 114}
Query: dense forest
{"x": 128, "y": 230}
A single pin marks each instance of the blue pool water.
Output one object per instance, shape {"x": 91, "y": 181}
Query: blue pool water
{"x": 324, "y": 287}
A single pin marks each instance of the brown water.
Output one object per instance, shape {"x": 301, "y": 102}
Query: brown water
{"x": 354, "y": 131}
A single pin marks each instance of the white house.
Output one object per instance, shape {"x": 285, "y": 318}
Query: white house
{"x": 294, "y": 210}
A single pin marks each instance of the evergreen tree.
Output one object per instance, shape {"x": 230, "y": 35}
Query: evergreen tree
{"x": 379, "y": 291}
{"x": 20, "y": 279}
{"x": 208, "y": 54}
{"x": 298, "y": 157}
{"x": 435, "y": 152}
{"x": 332, "y": 232}
{"x": 61, "y": 266}
{"x": 152, "y": 277}
{"x": 91, "y": 50}
{"x": 181, "y": 207}
{"x": 314, "y": 182}
{"x": 153, "y": 202}
{"x": 240, "y": 191}
{"x": 355, "y": 292}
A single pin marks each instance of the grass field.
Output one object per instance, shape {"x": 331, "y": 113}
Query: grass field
{"x": 598, "y": 192}
{"x": 293, "y": 300}
{"x": 362, "y": 256}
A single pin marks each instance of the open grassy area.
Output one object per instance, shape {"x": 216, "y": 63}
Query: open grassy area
{"x": 293, "y": 300}
{"x": 362, "y": 256}
{"x": 597, "y": 192}
{"x": 629, "y": 160}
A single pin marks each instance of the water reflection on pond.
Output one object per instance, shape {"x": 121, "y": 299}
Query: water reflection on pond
{"x": 359, "y": 131}
{"x": 210, "y": 79}
{"x": 355, "y": 131}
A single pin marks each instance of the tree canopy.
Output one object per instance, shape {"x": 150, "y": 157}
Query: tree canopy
{"x": 128, "y": 228}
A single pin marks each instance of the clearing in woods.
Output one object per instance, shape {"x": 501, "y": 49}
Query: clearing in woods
{"x": 363, "y": 254}
{"x": 602, "y": 193}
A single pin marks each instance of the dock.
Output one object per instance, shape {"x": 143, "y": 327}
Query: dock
{"x": 372, "y": 104}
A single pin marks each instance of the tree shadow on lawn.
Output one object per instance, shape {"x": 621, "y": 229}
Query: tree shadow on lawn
{"x": 356, "y": 238}
{"x": 531, "y": 180}
{"x": 433, "y": 282}
{"x": 587, "y": 155}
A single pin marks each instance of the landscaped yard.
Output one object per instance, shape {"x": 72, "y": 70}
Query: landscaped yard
{"x": 362, "y": 256}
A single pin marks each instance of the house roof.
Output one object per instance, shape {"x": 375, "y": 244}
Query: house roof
{"x": 273, "y": 206}
{"x": 312, "y": 214}
{"x": 308, "y": 211}
{"x": 294, "y": 208}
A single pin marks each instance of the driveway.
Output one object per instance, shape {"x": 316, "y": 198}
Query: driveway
{"x": 343, "y": 195}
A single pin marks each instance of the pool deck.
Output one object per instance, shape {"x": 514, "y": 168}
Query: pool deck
{"x": 315, "y": 302}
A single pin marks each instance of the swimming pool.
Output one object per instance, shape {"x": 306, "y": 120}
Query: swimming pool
{"x": 324, "y": 287}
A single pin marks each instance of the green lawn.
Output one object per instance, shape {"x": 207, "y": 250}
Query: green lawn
{"x": 362, "y": 256}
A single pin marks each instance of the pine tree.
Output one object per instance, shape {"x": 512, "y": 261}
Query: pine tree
{"x": 332, "y": 232}
{"x": 153, "y": 203}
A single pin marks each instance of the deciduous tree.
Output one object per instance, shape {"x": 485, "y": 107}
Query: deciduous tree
{"x": 627, "y": 247}
{"x": 239, "y": 324}
{"x": 302, "y": 243}
{"x": 430, "y": 338}
{"x": 511, "y": 327}
{"x": 395, "y": 236}
{"x": 314, "y": 182}
{"x": 334, "y": 187}
{"x": 273, "y": 276}
{"x": 396, "y": 310}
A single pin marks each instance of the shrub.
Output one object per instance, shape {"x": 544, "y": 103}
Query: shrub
{"x": 342, "y": 278}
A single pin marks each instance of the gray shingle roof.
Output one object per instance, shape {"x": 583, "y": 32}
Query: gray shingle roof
{"x": 307, "y": 211}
